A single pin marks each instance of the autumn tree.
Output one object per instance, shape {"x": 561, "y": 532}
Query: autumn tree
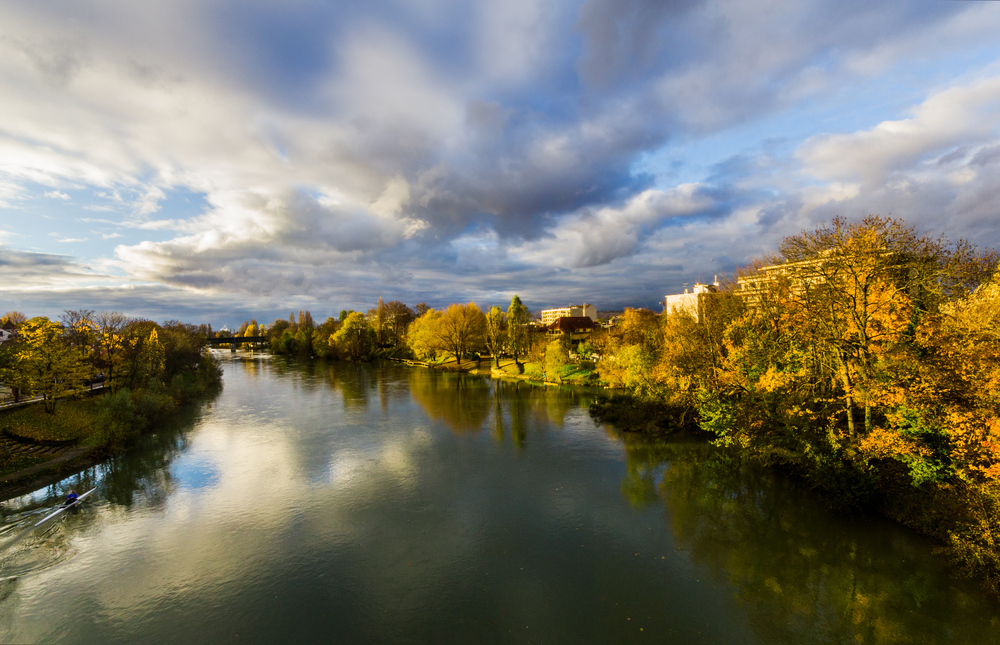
{"x": 111, "y": 327}
{"x": 378, "y": 319}
{"x": 355, "y": 340}
{"x": 321, "y": 338}
{"x": 422, "y": 336}
{"x": 399, "y": 317}
{"x": 556, "y": 358}
{"x": 80, "y": 329}
{"x": 518, "y": 334}
{"x": 860, "y": 289}
{"x": 46, "y": 363}
{"x": 140, "y": 355}
{"x": 15, "y": 318}
{"x": 634, "y": 345}
{"x": 461, "y": 329}
{"x": 496, "y": 333}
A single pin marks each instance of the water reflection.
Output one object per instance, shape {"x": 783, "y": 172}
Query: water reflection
{"x": 398, "y": 505}
{"x": 461, "y": 401}
{"x": 802, "y": 573}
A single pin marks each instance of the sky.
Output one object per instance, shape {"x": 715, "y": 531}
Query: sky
{"x": 217, "y": 160}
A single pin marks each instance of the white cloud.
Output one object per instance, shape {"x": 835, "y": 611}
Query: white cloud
{"x": 598, "y": 236}
{"x": 953, "y": 117}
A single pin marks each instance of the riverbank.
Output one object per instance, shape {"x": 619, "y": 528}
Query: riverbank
{"x": 570, "y": 374}
{"x": 39, "y": 448}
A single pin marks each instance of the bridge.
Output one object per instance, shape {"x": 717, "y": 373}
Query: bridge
{"x": 235, "y": 340}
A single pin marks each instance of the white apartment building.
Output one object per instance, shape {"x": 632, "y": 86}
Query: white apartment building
{"x": 690, "y": 301}
{"x": 549, "y": 316}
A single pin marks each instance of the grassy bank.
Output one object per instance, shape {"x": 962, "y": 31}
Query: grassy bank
{"x": 72, "y": 424}
{"x": 571, "y": 374}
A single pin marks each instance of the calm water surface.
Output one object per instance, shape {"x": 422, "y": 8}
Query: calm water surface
{"x": 365, "y": 504}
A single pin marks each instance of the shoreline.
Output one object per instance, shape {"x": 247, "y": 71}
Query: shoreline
{"x": 49, "y": 472}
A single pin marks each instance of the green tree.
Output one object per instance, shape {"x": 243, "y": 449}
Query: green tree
{"x": 355, "y": 340}
{"x": 518, "y": 334}
{"x": 321, "y": 338}
{"x": 556, "y": 358}
{"x": 496, "y": 333}
{"x": 304, "y": 333}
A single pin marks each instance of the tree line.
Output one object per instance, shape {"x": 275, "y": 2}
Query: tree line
{"x": 393, "y": 329}
{"x": 147, "y": 367}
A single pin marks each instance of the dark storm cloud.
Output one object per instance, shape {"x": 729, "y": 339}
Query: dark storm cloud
{"x": 421, "y": 149}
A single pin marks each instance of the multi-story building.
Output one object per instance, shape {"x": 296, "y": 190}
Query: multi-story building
{"x": 550, "y": 315}
{"x": 692, "y": 301}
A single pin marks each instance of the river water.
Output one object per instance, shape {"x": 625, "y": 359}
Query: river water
{"x": 385, "y": 504}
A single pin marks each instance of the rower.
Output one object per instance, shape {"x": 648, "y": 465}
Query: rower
{"x": 72, "y": 497}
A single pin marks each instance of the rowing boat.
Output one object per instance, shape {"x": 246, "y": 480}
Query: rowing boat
{"x": 65, "y": 507}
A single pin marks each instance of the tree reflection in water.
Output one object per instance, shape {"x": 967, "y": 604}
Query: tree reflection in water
{"x": 143, "y": 473}
{"x": 460, "y": 401}
{"x": 806, "y": 575}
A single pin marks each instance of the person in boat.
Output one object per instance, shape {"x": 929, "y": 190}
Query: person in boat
{"x": 72, "y": 497}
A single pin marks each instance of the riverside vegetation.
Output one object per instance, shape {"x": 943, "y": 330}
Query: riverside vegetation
{"x": 146, "y": 369}
{"x": 862, "y": 358}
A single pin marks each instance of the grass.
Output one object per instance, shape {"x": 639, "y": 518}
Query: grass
{"x": 72, "y": 421}
{"x": 11, "y": 462}
{"x": 573, "y": 374}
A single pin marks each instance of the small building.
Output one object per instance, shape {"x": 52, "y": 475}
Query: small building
{"x": 575, "y": 328}
{"x": 7, "y": 331}
{"x": 691, "y": 302}
{"x": 572, "y": 311}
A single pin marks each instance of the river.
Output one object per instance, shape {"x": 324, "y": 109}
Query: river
{"x": 349, "y": 503}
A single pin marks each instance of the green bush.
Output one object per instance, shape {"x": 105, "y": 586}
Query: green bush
{"x": 118, "y": 420}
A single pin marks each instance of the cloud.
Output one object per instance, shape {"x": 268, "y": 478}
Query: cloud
{"x": 26, "y": 270}
{"x": 938, "y": 169}
{"x": 597, "y": 236}
{"x": 450, "y": 150}
{"x": 957, "y": 116}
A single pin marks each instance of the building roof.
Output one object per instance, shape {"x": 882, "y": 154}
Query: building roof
{"x": 572, "y": 324}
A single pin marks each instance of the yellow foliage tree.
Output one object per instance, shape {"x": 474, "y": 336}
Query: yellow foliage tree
{"x": 46, "y": 363}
